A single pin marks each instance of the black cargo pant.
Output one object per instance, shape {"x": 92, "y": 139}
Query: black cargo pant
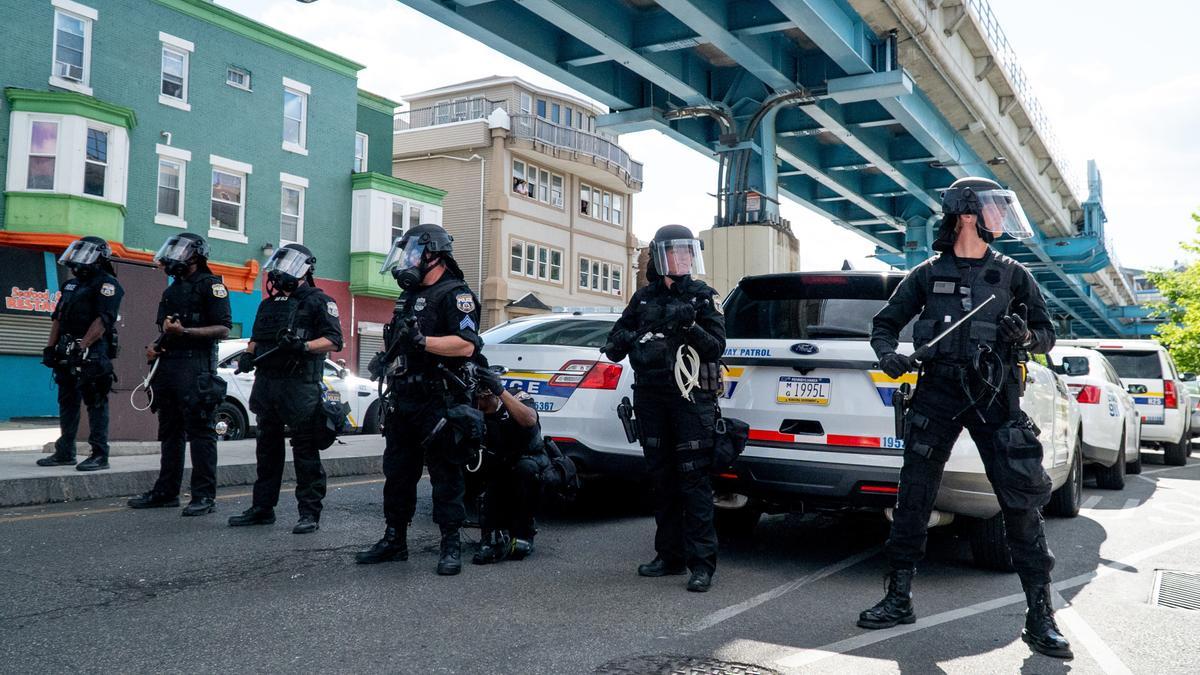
{"x": 513, "y": 492}
{"x": 928, "y": 442}
{"x": 185, "y": 416}
{"x": 73, "y": 394}
{"x": 413, "y": 414}
{"x": 677, "y": 440}
{"x": 280, "y": 400}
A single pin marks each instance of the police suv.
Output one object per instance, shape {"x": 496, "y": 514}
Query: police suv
{"x": 802, "y": 373}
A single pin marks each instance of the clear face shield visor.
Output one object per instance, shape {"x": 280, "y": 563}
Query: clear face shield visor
{"x": 404, "y": 257}
{"x": 1000, "y": 210}
{"x": 81, "y": 253}
{"x": 175, "y": 249}
{"x": 288, "y": 261}
{"x": 678, "y": 257}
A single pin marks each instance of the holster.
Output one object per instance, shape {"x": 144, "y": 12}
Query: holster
{"x": 628, "y": 423}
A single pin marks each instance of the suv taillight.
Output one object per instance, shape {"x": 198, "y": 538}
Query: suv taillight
{"x": 1170, "y": 400}
{"x": 587, "y": 375}
{"x": 1087, "y": 393}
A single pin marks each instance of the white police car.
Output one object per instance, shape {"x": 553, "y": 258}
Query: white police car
{"x": 1112, "y": 427}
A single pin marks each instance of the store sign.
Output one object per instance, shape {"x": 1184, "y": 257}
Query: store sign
{"x": 31, "y": 300}
{"x": 24, "y": 284}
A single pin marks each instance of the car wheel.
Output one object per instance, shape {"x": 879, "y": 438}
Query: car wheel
{"x": 1113, "y": 477}
{"x": 230, "y": 422}
{"x": 1135, "y": 467}
{"x": 736, "y": 523}
{"x": 1066, "y": 499}
{"x": 989, "y": 546}
{"x": 1175, "y": 454}
{"x": 370, "y": 423}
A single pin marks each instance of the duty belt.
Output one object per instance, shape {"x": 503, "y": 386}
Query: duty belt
{"x": 171, "y": 354}
{"x": 951, "y": 370}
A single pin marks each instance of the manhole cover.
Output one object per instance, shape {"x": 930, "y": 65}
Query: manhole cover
{"x": 674, "y": 664}
{"x": 1173, "y": 588}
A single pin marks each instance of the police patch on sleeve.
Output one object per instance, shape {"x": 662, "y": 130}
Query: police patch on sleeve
{"x": 108, "y": 290}
{"x": 331, "y": 307}
{"x": 219, "y": 291}
{"x": 465, "y": 302}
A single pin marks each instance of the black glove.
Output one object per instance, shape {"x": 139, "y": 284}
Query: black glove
{"x": 245, "y": 363}
{"x": 617, "y": 347}
{"x": 48, "y": 356}
{"x": 1013, "y": 328}
{"x": 684, "y": 314}
{"x": 377, "y": 368}
{"x": 490, "y": 380}
{"x": 411, "y": 338}
{"x": 291, "y": 343}
{"x": 894, "y": 365}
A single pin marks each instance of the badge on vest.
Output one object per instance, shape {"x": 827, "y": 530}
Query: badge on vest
{"x": 219, "y": 291}
{"x": 465, "y": 302}
{"x": 108, "y": 290}
{"x": 331, "y": 307}
{"x": 419, "y": 304}
{"x": 70, "y": 286}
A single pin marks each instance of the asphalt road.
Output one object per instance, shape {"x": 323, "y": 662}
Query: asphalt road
{"x": 96, "y": 587}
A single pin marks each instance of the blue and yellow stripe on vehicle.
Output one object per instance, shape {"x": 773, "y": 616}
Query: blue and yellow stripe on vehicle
{"x": 886, "y": 386}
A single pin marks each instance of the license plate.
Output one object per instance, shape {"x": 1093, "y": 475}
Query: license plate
{"x": 809, "y": 390}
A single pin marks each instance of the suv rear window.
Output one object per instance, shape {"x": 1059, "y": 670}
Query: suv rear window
{"x": 808, "y": 307}
{"x": 1137, "y": 365}
{"x": 562, "y": 333}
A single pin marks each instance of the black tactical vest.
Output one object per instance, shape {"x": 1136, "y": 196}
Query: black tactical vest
{"x": 652, "y": 358}
{"x": 185, "y": 298}
{"x": 949, "y": 297}
{"x": 425, "y": 304}
{"x": 280, "y": 313}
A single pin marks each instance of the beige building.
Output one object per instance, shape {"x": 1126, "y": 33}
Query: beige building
{"x": 540, "y": 204}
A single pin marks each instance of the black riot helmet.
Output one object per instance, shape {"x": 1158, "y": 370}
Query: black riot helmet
{"x": 997, "y": 211}
{"x": 181, "y": 250}
{"x": 675, "y": 252}
{"x": 417, "y": 252}
{"x": 84, "y": 257}
{"x": 287, "y": 266}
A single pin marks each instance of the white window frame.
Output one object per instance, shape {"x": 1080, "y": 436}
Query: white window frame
{"x": 289, "y": 182}
{"x": 182, "y": 48}
{"x": 58, "y": 139}
{"x": 88, "y": 16}
{"x": 303, "y": 91}
{"x": 535, "y": 261}
{"x": 556, "y": 268}
{"x": 243, "y": 71}
{"x": 618, "y": 209}
{"x": 618, "y": 278}
{"x": 526, "y": 104}
{"x": 404, "y": 224}
{"x": 180, "y": 157}
{"x": 106, "y": 163}
{"x": 533, "y": 177}
{"x": 360, "y": 162}
{"x": 583, "y": 272}
{"x": 519, "y": 258}
{"x": 234, "y": 168}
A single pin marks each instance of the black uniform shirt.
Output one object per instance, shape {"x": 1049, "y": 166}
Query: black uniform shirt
{"x": 200, "y": 300}
{"x": 83, "y": 300}
{"x": 510, "y": 440}
{"x": 447, "y": 307}
{"x": 646, "y": 311}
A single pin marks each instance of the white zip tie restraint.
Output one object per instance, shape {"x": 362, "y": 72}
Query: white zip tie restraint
{"x": 145, "y": 385}
{"x": 687, "y": 370}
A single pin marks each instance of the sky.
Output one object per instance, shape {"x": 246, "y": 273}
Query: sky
{"x": 1117, "y": 83}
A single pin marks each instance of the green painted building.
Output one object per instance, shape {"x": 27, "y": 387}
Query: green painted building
{"x": 138, "y": 119}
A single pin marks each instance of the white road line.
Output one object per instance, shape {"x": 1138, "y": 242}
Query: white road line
{"x": 766, "y": 596}
{"x": 1083, "y": 635}
{"x": 1169, "y": 468}
{"x": 1090, "y": 502}
{"x": 803, "y": 657}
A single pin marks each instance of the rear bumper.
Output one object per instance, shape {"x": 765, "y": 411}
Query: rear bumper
{"x": 1170, "y": 431}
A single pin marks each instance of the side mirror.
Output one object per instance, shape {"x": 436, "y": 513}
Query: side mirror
{"x": 342, "y": 372}
{"x": 1187, "y": 377}
{"x": 1076, "y": 365}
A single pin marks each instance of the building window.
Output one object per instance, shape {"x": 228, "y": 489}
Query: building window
{"x": 579, "y": 120}
{"x": 174, "y": 73}
{"x": 616, "y": 209}
{"x": 414, "y": 214}
{"x": 537, "y": 183}
{"x": 600, "y": 204}
{"x": 95, "y": 162}
{"x": 72, "y": 46}
{"x": 516, "y": 257}
{"x": 238, "y": 77}
{"x": 541, "y": 108}
{"x": 535, "y": 261}
{"x": 555, "y": 109}
{"x": 556, "y": 191}
{"x": 398, "y": 210}
{"x": 295, "y": 116}
{"x": 599, "y": 276}
{"x": 530, "y": 259}
{"x": 360, "y": 152}
{"x": 43, "y": 149}
{"x": 616, "y": 280}
{"x": 585, "y": 199}
{"x": 556, "y": 257}
{"x": 519, "y": 184}
{"x": 595, "y": 275}
{"x": 228, "y": 213}
{"x": 568, "y": 116}
{"x": 606, "y": 215}
{"x": 526, "y": 103}
{"x": 584, "y": 265}
{"x": 291, "y": 214}
{"x": 170, "y": 187}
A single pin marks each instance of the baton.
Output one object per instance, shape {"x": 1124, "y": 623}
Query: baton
{"x": 921, "y": 354}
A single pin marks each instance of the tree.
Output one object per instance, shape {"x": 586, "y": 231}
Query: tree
{"x": 1180, "y": 332}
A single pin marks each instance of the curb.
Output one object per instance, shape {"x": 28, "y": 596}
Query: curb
{"x": 100, "y": 484}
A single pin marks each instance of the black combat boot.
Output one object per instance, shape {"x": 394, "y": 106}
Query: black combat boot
{"x": 1040, "y": 632}
{"x": 393, "y": 546}
{"x": 494, "y": 546}
{"x": 895, "y": 607}
{"x": 152, "y": 500}
{"x": 96, "y": 462}
{"x": 451, "y": 561}
{"x": 255, "y": 515}
{"x": 700, "y": 581}
{"x": 661, "y": 568}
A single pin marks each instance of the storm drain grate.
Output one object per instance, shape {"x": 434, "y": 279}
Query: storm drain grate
{"x": 675, "y": 664}
{"x": 1173, "y": 588}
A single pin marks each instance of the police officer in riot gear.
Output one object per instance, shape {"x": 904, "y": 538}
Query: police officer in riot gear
{"x": 667, "y": 323}
{"x": 429, "y": 342}
{"x": 973, "y": 379}
{"x": 193, "y": 316}
{"x": 83, "y": 340}
{"x": 514, "y": 464}
{"x": 296, "y": 325}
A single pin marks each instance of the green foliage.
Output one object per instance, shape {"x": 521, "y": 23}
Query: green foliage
{"x": 1180, "y": 333}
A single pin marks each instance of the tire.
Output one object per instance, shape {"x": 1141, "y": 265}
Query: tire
{"x": 371, "y": 420}
{"x": 1175, "y": 454}
{"x": 1113, "y": 477}
{"x": 738, "y": 524}
{"x": 236, "y": 426}
{"x": 989, "y": 546}
{"x": 1064, "y": 502}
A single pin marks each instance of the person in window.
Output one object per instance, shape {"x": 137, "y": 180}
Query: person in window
{"x": 521, "y": 187}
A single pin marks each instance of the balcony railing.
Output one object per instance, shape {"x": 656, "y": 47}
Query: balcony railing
{"x": 535, "y": 128}
{"x": 445, "y": 113}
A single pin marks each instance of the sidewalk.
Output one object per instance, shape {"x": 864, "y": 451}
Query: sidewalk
{"x": 22, "y": 482}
